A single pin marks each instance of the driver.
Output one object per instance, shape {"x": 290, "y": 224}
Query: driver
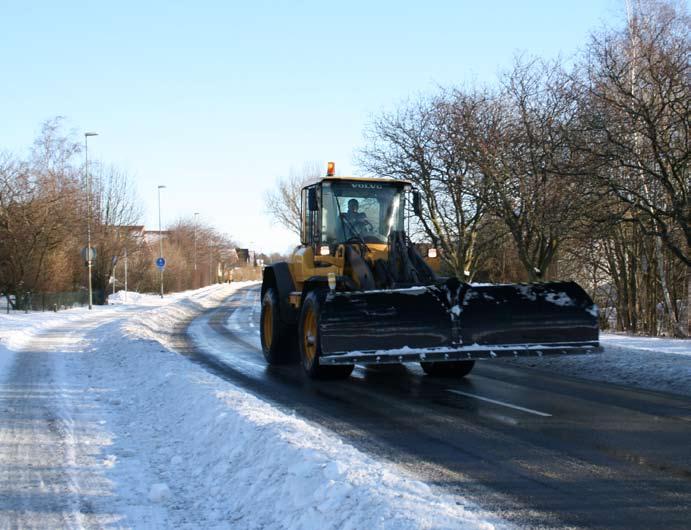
{"x": 357, "y": 220}
{"x": 353, "y": 215}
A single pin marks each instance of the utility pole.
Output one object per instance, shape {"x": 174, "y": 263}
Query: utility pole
{"x": 160, "y": 236}
{"x": 88, "y": 213}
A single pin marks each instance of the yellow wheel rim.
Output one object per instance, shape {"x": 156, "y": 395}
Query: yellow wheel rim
{"x": 309, "y": 336}
{"x": 267, "y": 325}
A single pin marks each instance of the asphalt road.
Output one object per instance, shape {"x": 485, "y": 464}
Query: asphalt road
{"x": 538, "y": 449}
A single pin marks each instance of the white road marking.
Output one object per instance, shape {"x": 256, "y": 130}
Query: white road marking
{"x": 531, "y": 411}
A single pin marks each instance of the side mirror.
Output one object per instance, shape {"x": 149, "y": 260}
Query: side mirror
{"x": 417, "y": 204}
{"x": 312, "y": 205}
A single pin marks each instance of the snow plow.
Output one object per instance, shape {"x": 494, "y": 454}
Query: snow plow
{"x": 357, "y": 291}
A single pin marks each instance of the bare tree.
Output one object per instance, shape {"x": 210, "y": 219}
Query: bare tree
{"x": 38, "y": 211}
{"x": 637, "y": 110}
{"x": 283, "y": 201}
{"x": 43, "y": 217}
{"x": 583, "y": 173}
{"x": 36, "y": 219}
{"x": 115, "y": 210}
{"x": 520, "y": 146}
{"x": 54, "y": 150}
{"x": 638, "y": 87}
{"x": 424, "y": 142}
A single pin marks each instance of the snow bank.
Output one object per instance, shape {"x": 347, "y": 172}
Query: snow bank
{"x": 148, "y": 299}
{"x": 172, "y": 446}
{"x": 643, "y": 362}
{"x": 316, "y": 480}
{"x": 162, "y": 323}
{"x": 646, "y": 344}
{"x": 17, "y": 327}
{"x": 257, "y": 466}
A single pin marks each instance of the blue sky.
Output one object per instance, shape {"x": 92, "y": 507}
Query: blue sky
{"x": 217, "y": 99}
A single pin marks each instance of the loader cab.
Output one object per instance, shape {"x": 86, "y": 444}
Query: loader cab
{"x": 341, "y": 210}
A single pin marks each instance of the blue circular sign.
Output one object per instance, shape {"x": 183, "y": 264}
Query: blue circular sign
{"x": 161, "y": 262}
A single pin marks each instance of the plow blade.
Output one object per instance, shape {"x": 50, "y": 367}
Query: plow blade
{"x": 457, "y": 321}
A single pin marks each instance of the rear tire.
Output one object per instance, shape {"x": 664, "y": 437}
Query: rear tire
{"x": 448, "y": 369}
{"x": 310, "y": 342}
{"x": 276, "y": 337}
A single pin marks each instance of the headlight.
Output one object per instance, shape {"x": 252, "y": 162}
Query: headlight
{"x": 432, "y": 253}
{"x": 324, "y": 250}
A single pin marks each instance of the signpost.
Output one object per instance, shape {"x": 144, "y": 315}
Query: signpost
{"x": 112, "y": 280}
{"x": 88, "y": 256}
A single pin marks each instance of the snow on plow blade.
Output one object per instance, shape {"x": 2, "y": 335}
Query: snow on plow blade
{"x": 457, "y": 321}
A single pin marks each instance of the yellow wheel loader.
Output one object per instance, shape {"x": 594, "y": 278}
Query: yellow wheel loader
{"x": 356, "y": 291}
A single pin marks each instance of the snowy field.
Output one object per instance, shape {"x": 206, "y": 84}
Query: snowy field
{"x": 103, "y": 425}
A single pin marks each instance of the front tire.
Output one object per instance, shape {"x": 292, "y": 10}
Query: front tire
{"x": 310, "y": 343}
{"x": 448, "y": 369}
{"x": 275, "y": 336}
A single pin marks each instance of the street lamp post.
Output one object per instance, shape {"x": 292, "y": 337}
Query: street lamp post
{"x": 160, "y": 236}
{"x": 88, "y": 212}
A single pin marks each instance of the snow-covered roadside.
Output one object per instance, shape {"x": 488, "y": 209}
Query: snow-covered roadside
{"x": 258, "y": 466}
{"x": 648, "y": 344}
{"x": 662, "y": 365}
{"x": 53, "y": 434}
{"x": 18, "y": 328}
{"x": 160, "y": 442}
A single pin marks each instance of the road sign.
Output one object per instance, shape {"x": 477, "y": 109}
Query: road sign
{"x": 88, "y": 256}
{"x": 161, "y": 263}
